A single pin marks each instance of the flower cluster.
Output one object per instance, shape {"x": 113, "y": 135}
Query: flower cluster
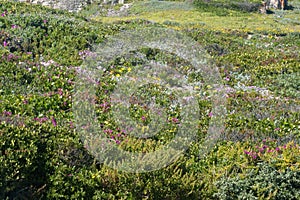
{"x": 4, "y": 14}
{"x": 45, "y": 119}
{"x": 269, "y": 148}
{"x": 86, "y": 53}
{"x": 10, "y": 57}
{"x": 115, "y": 137}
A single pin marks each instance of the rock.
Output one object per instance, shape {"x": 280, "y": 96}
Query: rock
{"x": 276, "y": 4}
{"x": 70, "y": 5}
{"x": 263, "y": 8}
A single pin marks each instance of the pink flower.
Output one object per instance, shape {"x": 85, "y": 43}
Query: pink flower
{"x": 261, "y": 149}
{"x": 175, "y": 120}
{"x": 60, "y": 91}
{"x": 4, "y": 43}
{"x": 210, "y": 114}
{"x": 7, "y": 113}
{"x": 143, "y": 118}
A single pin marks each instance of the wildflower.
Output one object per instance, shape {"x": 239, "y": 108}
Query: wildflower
{"x": 4, "y": 43}
{"x": 53, "y": 121}
{"x": 210, "y": 114}
{"x": 7, "y": 113}
{"x": 108, "y": 131}
{"x": 261, "y": 149}
{"x": 60, "y": 91}
{"x": 41, "y": 120}
{"x": 71, "y": 124}
{"x": 253, "y": 156}
{"x": 143, "y": 118}
{"x": 246, "y": 152}
{"x": 45, "y": 21}
{"x": 175, "y": 120}
{"x": 14, "y": 26}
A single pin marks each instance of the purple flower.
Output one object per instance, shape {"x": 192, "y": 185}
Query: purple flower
{"x": 45, "y": 21}
{"x": 14, "y": 26}
{"x": 118, "y": 142}
{"x": 246, "y": 152}
{"x": 7, "y": 113}
{"x": 143, "y": 118}
{"x": 210, "y": 114}
{"x": 41, "y": 120}
{"x": 53, "y": 121}
{"x": 4, "y": 43}
{"x": 71, "y": 124}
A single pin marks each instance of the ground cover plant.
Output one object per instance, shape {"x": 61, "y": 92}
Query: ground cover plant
{"x": 42, "y": 155}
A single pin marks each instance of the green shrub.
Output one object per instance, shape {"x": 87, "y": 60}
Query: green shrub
{"x": 263, "y": 182}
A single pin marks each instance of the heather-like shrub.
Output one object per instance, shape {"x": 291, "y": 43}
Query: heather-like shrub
{"x": 261, "y": 182}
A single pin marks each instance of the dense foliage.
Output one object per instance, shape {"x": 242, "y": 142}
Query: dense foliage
{"x": 42, "y": 156}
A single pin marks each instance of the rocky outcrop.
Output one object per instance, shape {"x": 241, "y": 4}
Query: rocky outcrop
{"x": 70, "y": 5}
{"x": 276, "y": 4}
{"x": 273, "y": 4}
